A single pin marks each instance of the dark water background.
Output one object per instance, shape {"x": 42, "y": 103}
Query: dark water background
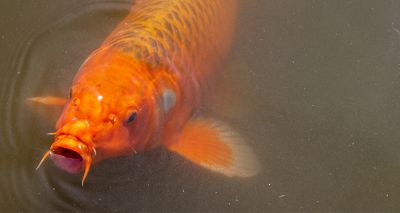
{"x": 313, "y": 85}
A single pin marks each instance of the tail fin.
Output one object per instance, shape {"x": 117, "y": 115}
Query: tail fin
{"x": 213, "y": 145}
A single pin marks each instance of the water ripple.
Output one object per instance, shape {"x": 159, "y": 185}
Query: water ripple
{"x": 44, "y": 63}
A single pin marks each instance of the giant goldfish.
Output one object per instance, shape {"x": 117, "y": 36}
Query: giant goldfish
{"x": 141, "y": 88}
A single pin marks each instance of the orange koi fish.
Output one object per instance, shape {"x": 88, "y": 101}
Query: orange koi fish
{"x": 140, "y": 89}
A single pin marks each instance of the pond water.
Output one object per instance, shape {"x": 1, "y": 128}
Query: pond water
{"x": 311, "y": 84}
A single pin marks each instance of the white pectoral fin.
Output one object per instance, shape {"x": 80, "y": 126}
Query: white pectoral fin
{"x": 47, "y": 107}
{"x": 215, "y": 146}
{"x": 48, "y": 100}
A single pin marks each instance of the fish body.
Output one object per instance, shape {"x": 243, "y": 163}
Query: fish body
{"x": 139, "y": 90}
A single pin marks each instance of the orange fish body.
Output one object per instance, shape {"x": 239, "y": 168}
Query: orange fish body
{"x": 140, "y": 88}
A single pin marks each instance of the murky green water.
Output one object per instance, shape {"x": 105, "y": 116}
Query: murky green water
{"x": 314, "y": 87}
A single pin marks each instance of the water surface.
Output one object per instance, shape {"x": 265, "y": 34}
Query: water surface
{"x": 311, "y": 85}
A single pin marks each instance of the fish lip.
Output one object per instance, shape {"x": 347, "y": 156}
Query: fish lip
{"x": 70, "y": 153}
{"x": 89, "y": 144}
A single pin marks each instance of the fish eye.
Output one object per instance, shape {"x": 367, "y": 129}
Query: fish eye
{"x": 131, "y": 118}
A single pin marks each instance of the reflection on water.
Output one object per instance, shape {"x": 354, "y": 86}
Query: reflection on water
{"x": 312, "y": 85}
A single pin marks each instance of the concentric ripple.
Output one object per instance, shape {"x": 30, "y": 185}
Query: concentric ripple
{"x": 44, "y": 64}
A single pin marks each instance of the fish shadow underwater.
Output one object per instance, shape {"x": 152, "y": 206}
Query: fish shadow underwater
{"x": 156, "y": 180}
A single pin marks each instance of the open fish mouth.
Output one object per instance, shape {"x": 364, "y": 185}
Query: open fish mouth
{"x": 67, "y": 159}
{"x": 71, "y": 155}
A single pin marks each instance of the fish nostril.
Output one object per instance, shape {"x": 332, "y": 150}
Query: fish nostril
{"x": 113, "y": 118}
{"x": 76, "y": 101}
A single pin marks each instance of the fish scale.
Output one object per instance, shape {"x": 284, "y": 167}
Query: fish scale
{"x": 192, "y": 35}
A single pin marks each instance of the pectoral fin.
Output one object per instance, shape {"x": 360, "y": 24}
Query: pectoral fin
{"x": 213, "y": 145}
{"x": 48, "y": 100}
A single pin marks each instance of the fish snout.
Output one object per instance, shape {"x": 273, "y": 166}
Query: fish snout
{"x": 80, "y": 128}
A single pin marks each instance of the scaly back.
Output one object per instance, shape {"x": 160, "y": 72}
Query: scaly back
{"x": 180, "y": 35}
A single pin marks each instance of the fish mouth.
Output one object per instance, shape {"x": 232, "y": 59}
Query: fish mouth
{"x": 71, "y": 155}
{"x": 66, "y": 159}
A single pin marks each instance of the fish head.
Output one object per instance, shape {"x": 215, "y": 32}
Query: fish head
{"x": 109, "y": 113}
